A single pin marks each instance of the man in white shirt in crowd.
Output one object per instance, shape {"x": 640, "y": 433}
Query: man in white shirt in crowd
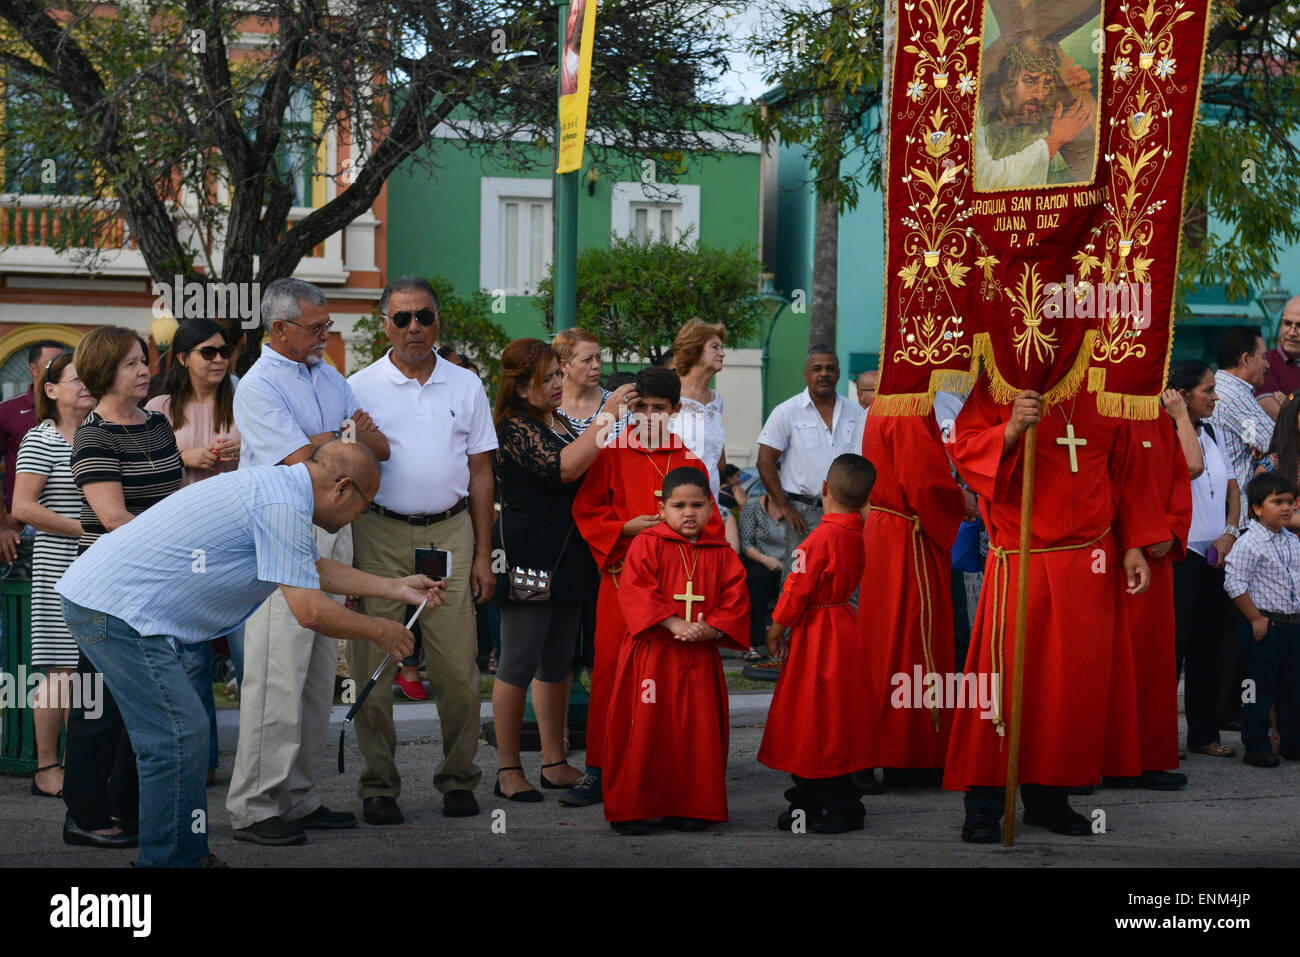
{"x": 1241, "y": 423}
{"x": 289, "y": 404}
{"x": 866, "y": 387}
{"x": 799, "y": 441}
{"x": 436, "y": 491}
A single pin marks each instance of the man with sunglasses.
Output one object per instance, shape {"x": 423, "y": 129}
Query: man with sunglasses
{"x": 436, "y": 491}
{"x": 290, "y": 403}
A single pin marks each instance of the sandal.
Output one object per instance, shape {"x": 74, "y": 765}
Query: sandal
{"x": 546, "y": 782}
{"x": 492, "y": 662}
{"x": 1215, "y": 750}
{"x": 41, "y": 792}
{"x": 528, "y": 796}
{"x": 754, "y": 655}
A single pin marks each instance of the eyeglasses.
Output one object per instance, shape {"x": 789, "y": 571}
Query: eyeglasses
{"x": 211, "y": 352}
{"x": 316, "y": 330}
{"x": 426, "y": 317}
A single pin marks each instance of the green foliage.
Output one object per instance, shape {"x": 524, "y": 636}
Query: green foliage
{"x": 635, "y": 296}
{"x": 465, "y": 324}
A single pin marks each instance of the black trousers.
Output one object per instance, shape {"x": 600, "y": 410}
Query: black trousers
{"x": 837, "y": 797}
{"x": 100, "y": 781}
{"x": 764, "y": 586}
{"x": 1200, "y": 621}
{"x": 1039, "y": 799}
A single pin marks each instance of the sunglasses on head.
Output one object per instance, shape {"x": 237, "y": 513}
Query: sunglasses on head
{"x": 426, "y": 317}
{"x": 211, "y": 352}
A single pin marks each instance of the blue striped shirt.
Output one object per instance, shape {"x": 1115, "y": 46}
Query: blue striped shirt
{"x": 197, "y": 564}
{"x": 279, "y": 403}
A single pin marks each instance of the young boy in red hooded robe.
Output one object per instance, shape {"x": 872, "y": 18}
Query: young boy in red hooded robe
{"x": 822, "y": 706}
{"x": 682, "y": 592}
{"x": 618, "y": 500}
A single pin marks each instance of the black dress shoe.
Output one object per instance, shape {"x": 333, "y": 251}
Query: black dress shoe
{"x": 1162, "y": 780}
{"x": 459, "y": 803}
{"x": 1061, "y": 821}
{"x": 866, "y": 783}
{"x": 838, "y": 823}
{"x": 981, "y": 827}
{"x": 273, "y": 831}
{"x": 1262, "y": 760}
{"x": 630, "y": 828}
{"x": 323, "y": 819}
{"x": 686, "y": 823}
{"x": 72, "y": 834}
{"x": 381, "y": 811}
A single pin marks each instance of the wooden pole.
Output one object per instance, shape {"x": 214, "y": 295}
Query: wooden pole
{"x": 1029, "y": 445}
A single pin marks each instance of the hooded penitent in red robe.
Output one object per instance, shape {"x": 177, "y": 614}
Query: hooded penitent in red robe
{"x": 666, "y": 737}
{"x": 816, "y": 723}
{"x": 1078, "y": 664}
{"x": 620, "y": 485}
{"x": 905, "y": 601}
{"x": 1151, "y": 614}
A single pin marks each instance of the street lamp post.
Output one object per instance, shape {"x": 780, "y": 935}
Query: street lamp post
{"x": 769, "y": 293}
{"x": 1273, "y": 300}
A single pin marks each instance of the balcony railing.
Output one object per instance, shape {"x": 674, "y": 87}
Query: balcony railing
{"x": 81, "y": 236}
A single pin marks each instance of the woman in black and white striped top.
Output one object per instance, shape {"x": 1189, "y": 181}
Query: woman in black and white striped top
{"x": 123, "y": 460}
{"x": 46, "y": 498}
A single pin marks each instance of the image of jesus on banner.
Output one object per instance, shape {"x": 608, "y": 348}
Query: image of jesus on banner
{"x": 1036, "y": 119}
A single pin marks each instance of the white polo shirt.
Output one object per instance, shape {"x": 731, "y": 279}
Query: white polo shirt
{"x": 796, "y": 430}
{"x": 432, "y": 429}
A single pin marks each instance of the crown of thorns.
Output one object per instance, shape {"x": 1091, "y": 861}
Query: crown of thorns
{"x": 1020, "y": 60}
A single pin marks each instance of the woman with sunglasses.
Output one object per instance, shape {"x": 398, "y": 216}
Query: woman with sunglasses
{"x": 198, "y": 399}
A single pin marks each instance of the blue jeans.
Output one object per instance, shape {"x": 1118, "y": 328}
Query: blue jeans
{"x": 197, "y": 660}
{"x": 168, "y": 729}
{"x": 1273, "y": 663}
{"x": 236, "y": 642}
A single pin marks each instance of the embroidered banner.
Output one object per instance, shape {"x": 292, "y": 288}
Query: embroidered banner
{"x": 1037, "y": 156}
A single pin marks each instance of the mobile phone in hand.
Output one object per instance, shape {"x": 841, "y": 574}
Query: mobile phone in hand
{"x": 433, "y": 562}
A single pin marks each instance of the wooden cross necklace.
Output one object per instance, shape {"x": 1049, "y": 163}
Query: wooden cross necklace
{"x": 1069, "y": 440}
{"x": 689, "y": 598}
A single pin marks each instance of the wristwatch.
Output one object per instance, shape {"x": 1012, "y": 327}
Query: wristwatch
{"x": 1232, "y": 530}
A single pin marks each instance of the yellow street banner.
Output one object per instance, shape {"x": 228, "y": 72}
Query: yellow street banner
{"x": 575, "y": 81}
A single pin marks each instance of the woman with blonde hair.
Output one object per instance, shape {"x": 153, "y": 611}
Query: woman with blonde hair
{"x": 698, "y": 354}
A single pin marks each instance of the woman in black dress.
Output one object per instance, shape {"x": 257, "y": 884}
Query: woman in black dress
{"x": 539, "y": 465}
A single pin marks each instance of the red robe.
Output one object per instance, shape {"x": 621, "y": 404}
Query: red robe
{"x": 1151, "y": 614}
{"x": 1078, "y": 664}
{"x": 668, "y": 728}
{"x": 815, "y": 725}
{"x": 913, "y": 477}
{"x": 619, "y": 486}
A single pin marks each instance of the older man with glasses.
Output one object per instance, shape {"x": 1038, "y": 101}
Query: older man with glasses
{"x": 436, "y": 492}
{"x": 289, "y": 404}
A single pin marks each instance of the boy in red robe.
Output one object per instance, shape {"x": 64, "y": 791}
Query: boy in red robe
{"x": 1087, "y": 543}
{"x": 905, "y": 612}
{"x": 682, "y": 591}
{"x": 1151, "y": 614}
{"x": 618, "y": 500}
{"x": 817, "y": 724}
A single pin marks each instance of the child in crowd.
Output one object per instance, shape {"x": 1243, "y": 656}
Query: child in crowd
{"x": 618, "y": 500}
{"x": 823, "y": 699}
{"x": 1263, "y": 579}
{"x": 682, "y": 592}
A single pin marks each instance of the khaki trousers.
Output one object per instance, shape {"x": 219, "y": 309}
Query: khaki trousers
{"x": 284, "y": 707}
{"x": 386, "y": 546}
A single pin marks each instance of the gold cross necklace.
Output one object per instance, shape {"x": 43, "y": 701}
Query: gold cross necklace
{"x": 689, "y": 598}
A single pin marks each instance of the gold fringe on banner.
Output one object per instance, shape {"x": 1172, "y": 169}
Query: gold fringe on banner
{"x": 1004, "y": 392}
{"x": 1119, "y": 405}
{"x": 920, "y": 403}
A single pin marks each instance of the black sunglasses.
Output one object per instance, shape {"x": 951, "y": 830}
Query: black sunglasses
{"x": 426, "y": 317}
{"x": 211, "y": 352}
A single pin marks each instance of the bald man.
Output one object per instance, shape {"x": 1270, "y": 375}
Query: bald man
{"x": 1283, "y": 375}
{"x": 194, "y": 567}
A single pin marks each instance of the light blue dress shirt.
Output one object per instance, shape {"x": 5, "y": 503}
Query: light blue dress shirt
{"x": 197, "y": 564}
{"x": 279, "y": 403}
